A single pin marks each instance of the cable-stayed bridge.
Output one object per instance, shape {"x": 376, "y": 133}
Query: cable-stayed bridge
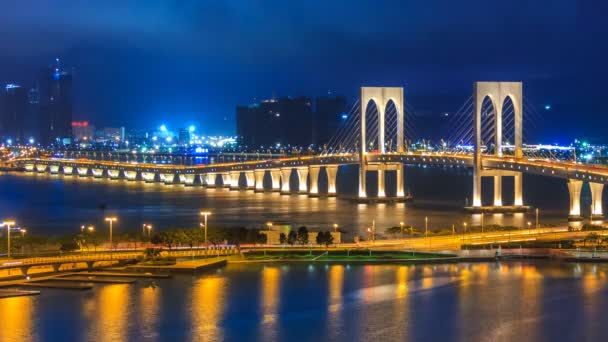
{"x": 486, "y": 134}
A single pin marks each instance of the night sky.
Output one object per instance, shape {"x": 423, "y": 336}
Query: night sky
{"x": 143, "y": 63}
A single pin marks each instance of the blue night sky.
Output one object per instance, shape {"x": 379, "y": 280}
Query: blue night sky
{"x": 143, "y": 63}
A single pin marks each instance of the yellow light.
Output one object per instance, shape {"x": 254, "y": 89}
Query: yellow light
{"x": 205, "y": 213}
{"x": 111, "y": 219}
{"x": 8, "y": 223}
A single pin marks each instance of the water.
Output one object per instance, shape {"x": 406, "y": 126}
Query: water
{"x": 55, "y": 204}
{"x": 512, "y": 301}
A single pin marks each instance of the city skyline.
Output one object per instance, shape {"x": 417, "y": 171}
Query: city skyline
{"x": 168, "y": 65}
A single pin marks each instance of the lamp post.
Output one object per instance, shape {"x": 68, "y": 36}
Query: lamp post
{"x": 335, "y": 227}
{"x": 111, "y": 220}
{"x": 482, "y": 223}
{"x": 149, "y": 229}
{"x": 464, "y": 232}
{"x": 8, "y": 225}
{"x": 401, "y": 224}
{"x": 537, "y": 224}
{"x": 205, "y": 214}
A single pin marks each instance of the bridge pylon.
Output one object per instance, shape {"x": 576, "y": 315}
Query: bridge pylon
{"x": 381, "y": 97}
{"x": 497, "y": 93}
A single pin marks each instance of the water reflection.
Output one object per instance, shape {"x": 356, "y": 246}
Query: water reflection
{"x": 149, "y": 300}
{"x": 109, "y": 312}
{"x": 16, "y": 315}
{"x": 335, "y": 300}
{"x": 208, "y": 300}
{"x": 270, "y": 296}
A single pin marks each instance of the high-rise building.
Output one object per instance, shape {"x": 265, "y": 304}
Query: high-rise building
{"x": 55, "y": 88}
{"x": 13, "y": 110}
{"x": 82, "y": 131}
{"x": 183, "y": 136}
{"x": 330, "y": 112}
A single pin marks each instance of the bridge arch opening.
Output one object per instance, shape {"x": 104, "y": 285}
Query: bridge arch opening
{"x": 391, "y": 124}
{"x": 488, "y": 125}
{"x": 372, "y": 127}
{"x": 508, "y": 125}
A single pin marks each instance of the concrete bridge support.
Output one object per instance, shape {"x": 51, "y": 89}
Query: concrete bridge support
{"x": 148, "y": 177}
{"x": 97, "y": 173}
{"x": 209, "y": 179}
{"x": 400, "y": 187}
{"x": 226, "y": 179}
{"x": 234, "y": 180}
{"x": 187, "y": 179}
{"x": 130, "y": 175}
{"x": 362, "y": 185}
{"x": 574, "y": 188}
{"x": 167, "y": 178}
{"x": 82, "y": 171}
{"x": 381, "y": 186}
{"x": 285, "y": 175}
{"x": 259, "y": 180}
{"x": 114, "y": 174}
{"x": 497, "y": 191}
{"x": 313, "y": 171}
{"x": 332, "y": 174}
{"x": 275, "y": 175}
{"x": 41, "y": 167}
{"x": 29, "y": 167}
{"x": 250, "y": 179}
{"x": 597, "y": 211}
{"x": 518, "y": 188}
{"x": 302, "y": 179}
{"x": 68, "y": 170}
{"x": 54, "y": 169}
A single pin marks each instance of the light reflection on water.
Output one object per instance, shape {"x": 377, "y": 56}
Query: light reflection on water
{"x": 516, "y": 301}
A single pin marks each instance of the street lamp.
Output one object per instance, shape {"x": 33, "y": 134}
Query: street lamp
{"x": 482, "y": 223}
{"x": 335, "y": 227}
{"x": 82, "y": 228}
{"x": 269, "y": 225}
{"x": 8, "y": 225}
{"x": 537, "y": 224}
{"x": 205, "y": 214}
{"x": 426, "y": 226}
{"x": 149, "y": 229}
{"x": 111, "y": 220}
{"x": 401, "y": 224}
{"x": 91, "y": 229}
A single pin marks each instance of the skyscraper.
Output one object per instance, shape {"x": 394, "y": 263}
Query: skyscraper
{"x": 55, "y": 105}
{"x": 13, "y": 110}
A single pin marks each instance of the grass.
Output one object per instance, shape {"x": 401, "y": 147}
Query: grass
{"x": 340, "y": 255}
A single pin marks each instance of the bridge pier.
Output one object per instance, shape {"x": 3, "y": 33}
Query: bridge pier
{"x": 234, "y": 180}
{"x": 381, "y": 174}
{"x": 68, "y": 170}
{"x": 24, "y": 270}
{"x": 29, "y": 167}
{"x": 498, "y": 191}
{"x": 97, "y": 173}
{"x": 332, "y": 174}
{"x": 362, "y": 185}
{"x": 114, "y": 174}
{"x": 597, "y": 211}
{"x": 275, "y": 175}
{"x": 302, "y": 178}
{"x": 285, "y": 175}
{"x": 400, "y": 187}
{"x": 148, "y": 177}
{"x": 187, "y": 179}
{"x": 250, "y": 179}
{"x": 313, "y": 171}
{"x": 130, "y": 175}
{"x": 41, "y": 167}
{"x": 167, "y": 178}
{"x": 82, "y": 171}
{"x": 226, "y": 179}
{"x": 90, "y": 265}
{"x": 574, "y": 188}
{"x": 259, "y": 180}
{"x": 54, "y": 169}
{"x": 209, "y": 179}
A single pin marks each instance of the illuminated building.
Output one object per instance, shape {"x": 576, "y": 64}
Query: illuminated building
{"x": 55, "y": 105}
{"x": 83, "y": 131}
{"x": 13, "y": 109}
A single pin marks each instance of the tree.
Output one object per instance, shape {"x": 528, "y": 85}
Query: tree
{"x": 282, "y": 238}
{"x": 329, "y": 239}
{"x": 321, "y": 238}
{"x": 302, "y": 235}
{"x": 292, "y": 237}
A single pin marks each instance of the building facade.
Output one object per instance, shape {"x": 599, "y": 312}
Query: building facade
{"x": 55, "y": 90}
{"x": 13, "y": 111}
